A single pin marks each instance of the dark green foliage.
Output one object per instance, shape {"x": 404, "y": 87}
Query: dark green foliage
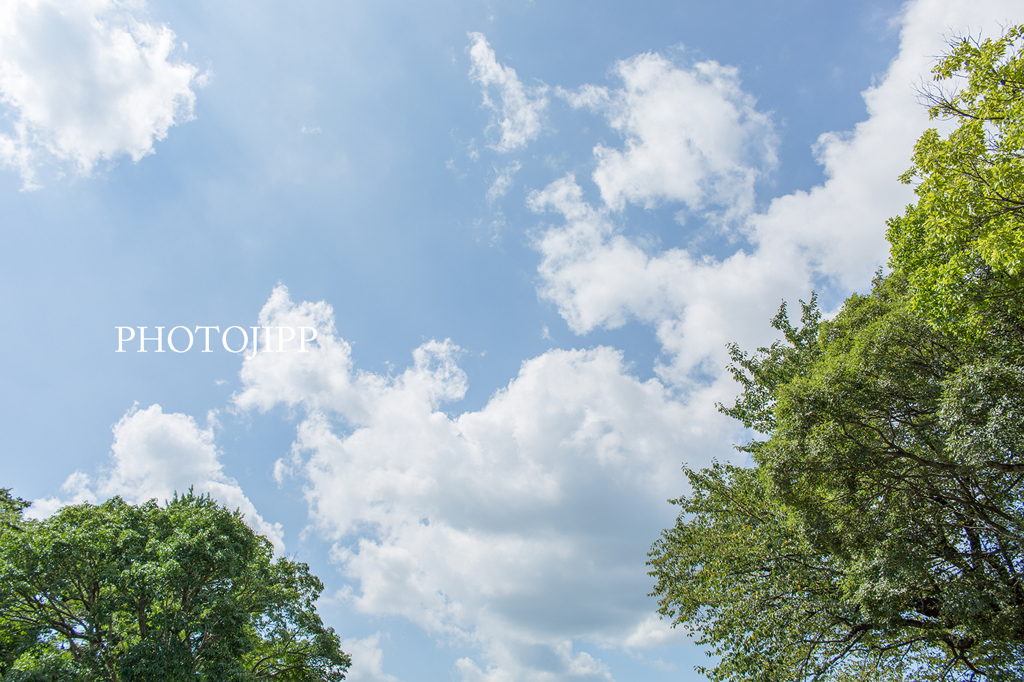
{"x": 185, "y": 591}
{"x": 881, "y": 533}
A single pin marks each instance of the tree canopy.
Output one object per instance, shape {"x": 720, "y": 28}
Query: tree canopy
{"x": 961, "y": 246}
{"x": 184, "y": 591}
{"x": 879, "y": 533}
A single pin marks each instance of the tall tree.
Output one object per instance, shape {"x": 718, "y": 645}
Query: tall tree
{"x": 880, "y": 532}
{"x": 183, "y": 591}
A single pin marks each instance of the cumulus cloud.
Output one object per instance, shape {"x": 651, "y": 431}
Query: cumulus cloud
{"x": 832, "y": 235}
{"x": 691, "y": 135}
{"x": 521, "y": 528}
{"x": 85, "y": 81}
{"x": 154, "y": 455}
{"x": 599, "y": 278}
{"x": 367, "y": 660}
{"x": 518, "y": 113}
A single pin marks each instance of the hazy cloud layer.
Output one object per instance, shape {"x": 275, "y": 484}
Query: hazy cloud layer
{"x": 85, "y": 81}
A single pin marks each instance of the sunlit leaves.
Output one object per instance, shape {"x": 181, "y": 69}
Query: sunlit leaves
{"x": 961, "y": 246}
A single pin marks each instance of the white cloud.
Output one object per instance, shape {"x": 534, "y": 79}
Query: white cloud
{"x": 655, "y": 631}
{"x": 323, "y": 378}
{"x": 367, "y": 660}
{"x": 155, "y": 455}
{"x": 599, "y": 278}
{"x": 520, "y": 115}
{"x": 530, "y": 662}
{"x": 691, "y": 135}
{"x": 840, "y": 226}
{"x": 521, "y": 528}
{"x": 830, "y": 235}
{"x": 85, "y": 81}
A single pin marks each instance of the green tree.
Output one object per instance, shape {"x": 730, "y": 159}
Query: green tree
{"x": 183, "y": 591}
{"x": 961, "y": 246}
{"x": 879, "y": 533}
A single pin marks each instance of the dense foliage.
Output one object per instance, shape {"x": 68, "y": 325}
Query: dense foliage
{"x": 880, "y": 532}
{"x": 185, "y": 591}
{"x": 961, "y": 245}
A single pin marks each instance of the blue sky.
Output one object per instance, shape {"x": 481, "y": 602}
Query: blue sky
{"x": 524, "y": 233}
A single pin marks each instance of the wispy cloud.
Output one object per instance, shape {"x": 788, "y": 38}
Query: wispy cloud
{"x": 502, "y": 182}
{"x": 518, "y": 113}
